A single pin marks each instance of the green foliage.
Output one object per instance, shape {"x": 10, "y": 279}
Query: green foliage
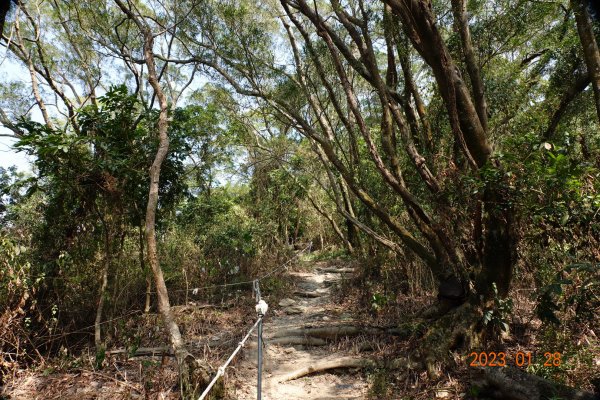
{"x": 576, "y": 288}
{"x": 92, "y": 183}
{"x": 107, "y": 159}
{"x": 378, "y": 301}
{"x": 17, "y": 290}
{"x": 100, "y": 357}
{"x": 497, "y": 316}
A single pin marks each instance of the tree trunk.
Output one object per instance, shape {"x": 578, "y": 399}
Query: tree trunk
{"x": 145, "y": 271}
{"x": 185, "y": 361}
{"x": 590, "y": 47}
{"x": 192, "y": 374}
{"x": 498, "y": 242}
{"x": 102, "y": 292}
{"x": 459, "y": 9}
{"x": 351, "y": 228}
{"x": 99, "y": 310}
{"x": 468, "y": 121}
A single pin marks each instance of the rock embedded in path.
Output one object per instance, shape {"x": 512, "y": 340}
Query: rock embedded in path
{"x": 311, "y": 295}
{"x": 297, "y": 335}
{"x": 287, "y": 302}
{"x": 293, "y": 310}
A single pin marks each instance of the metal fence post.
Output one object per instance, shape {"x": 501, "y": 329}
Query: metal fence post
{"x": 260, "y": 349}
{"x": 261, "y": 310}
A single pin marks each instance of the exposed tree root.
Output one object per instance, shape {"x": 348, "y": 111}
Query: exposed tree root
{"x": 458, "y": 328}
{"x": 333, "y": 332}
{"x": 336, "y": 270}
{"x": 298, "y": 341}
{"x": 344, "y": 362}
{"x": 347, "y": 362}
{"x": 515, "y": 384}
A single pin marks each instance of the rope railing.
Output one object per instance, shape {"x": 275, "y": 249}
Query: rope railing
{"x": 261, "y": 309}
{"x": 221, "y": 369}
{"x": 195, "y": 290}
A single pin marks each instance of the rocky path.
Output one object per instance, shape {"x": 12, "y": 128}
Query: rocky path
{"x": 287, "y": 350}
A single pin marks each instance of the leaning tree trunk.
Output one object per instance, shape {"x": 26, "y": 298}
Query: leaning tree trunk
{"x": 193, "y": 375}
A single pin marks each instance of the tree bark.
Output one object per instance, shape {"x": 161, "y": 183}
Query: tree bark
{"x": 4, "y": 8}
{"x": 411, "y": 88}
{"x": 103, "y": 286}
{"x": 459, "y": 9}
{"x": 420, "y": 26}
{"x": 148, "y": 300}
{"x": 590, "y": 47}
{"x": 515, "y": 384}
{"x": 572, "y": 91}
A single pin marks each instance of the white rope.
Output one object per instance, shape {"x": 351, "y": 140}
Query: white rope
{"x": 279, "y": 268}
{"x": 221, "y": 369}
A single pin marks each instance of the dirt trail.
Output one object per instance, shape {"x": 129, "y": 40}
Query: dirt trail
{"x": 310, "y": 304}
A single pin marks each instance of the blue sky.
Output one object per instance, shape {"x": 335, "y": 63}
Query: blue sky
{"x": 8, "y": 155}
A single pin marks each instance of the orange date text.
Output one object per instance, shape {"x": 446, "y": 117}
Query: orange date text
{"x": 520, "y": 359}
